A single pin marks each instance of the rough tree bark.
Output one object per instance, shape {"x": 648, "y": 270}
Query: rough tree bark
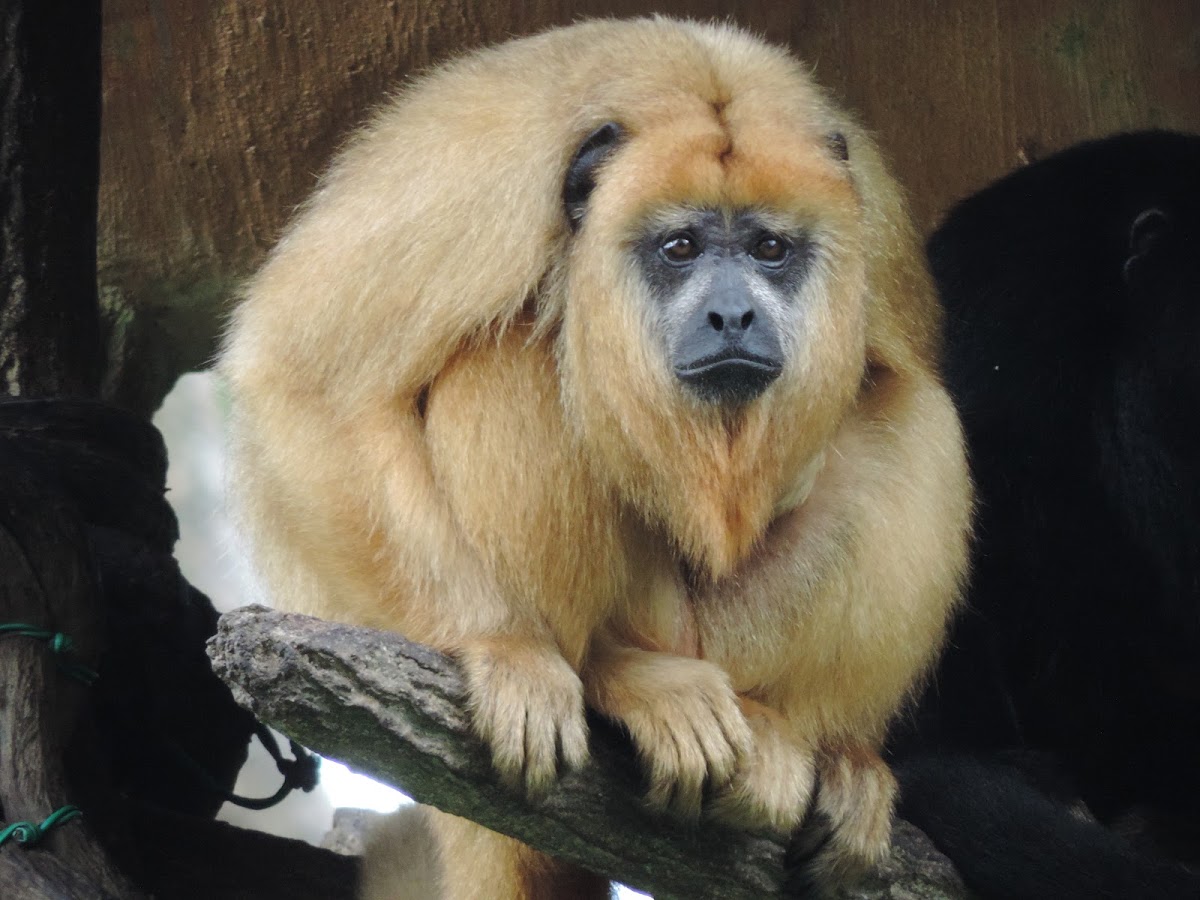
{"x": 45, "y": 580}
{"x": 49, "y": 344}
{"x": 395, "y": 710}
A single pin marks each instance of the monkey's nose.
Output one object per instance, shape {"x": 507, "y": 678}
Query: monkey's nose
{"x": 730, "y": 313}
{"x": 720, "y": 320}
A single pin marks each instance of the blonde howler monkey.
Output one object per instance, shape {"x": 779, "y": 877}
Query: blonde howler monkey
{"x": 605, "y": 360}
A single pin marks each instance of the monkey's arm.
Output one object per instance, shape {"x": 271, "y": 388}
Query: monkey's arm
{"x": 848, "y": 600}
{"x": 392, "y": 267}
{"x": 846, "y": 607}
{"x": 352, "y": 523}
{"x": 363, "y": 509}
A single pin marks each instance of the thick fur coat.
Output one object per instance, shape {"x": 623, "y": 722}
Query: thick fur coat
{"x": 454, "y": 418}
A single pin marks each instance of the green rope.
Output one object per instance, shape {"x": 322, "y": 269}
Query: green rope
{"x": 27, "y": 834}
{"x": 60, "y": 645}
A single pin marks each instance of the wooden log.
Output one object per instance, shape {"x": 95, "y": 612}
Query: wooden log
{"x": 46, "y": 580}
{"x": 395, "y": 710}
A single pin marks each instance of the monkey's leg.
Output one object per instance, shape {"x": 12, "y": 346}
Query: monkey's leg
{"x": 401, "y": 858}
{"x": 681, "y": 713}
{"x": 856, "y": 797}
{"x": 477, "y": 863}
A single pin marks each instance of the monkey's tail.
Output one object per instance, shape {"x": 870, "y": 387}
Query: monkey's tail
{"x": 1010, "y": 840}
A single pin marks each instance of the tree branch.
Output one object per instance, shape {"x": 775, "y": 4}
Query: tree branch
{"x": 395, "y": 710}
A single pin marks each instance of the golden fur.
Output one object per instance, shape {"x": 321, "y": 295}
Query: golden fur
{"x": 454, "y": 419}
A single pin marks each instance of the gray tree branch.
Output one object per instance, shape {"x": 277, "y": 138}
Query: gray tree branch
{"x": 395, "y": 710}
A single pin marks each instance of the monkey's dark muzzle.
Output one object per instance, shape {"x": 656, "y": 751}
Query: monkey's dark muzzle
{"x": 729, "y": 377}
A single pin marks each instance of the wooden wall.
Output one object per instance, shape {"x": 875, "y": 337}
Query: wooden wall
{"x": 219, "y": 114}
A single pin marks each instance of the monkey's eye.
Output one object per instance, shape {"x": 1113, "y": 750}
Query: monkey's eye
{"x": 679, "y": 248}
{"x": 770, "y": 250}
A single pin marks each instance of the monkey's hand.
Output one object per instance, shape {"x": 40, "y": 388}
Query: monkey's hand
{"x": 682, "y": 715}
{"x": 773, "y": 784}
{"x": 527, "y": 704}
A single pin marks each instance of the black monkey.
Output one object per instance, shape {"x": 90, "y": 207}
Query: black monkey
{"x": 1072, "y": 289}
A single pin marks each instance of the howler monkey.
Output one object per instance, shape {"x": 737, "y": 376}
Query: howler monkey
{"x": 1072, "y": 291}
{"x": 606, "y": 361}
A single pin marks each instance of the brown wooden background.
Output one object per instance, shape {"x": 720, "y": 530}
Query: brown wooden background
{"x": 219, "y": 113}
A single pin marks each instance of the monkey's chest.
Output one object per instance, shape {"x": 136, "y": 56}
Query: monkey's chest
{"x": 555, "y": 532}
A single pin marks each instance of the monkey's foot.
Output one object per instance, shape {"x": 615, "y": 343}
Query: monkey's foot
{"x": 527, "y": 704}
{"x": 773, "y": 784}
{"x": 683, "y": 717}
{"x": 849, "y": 829}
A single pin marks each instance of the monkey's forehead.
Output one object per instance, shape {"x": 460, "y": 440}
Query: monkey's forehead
{"x": 701, "y": 161}
{"x": 711, "y": 115}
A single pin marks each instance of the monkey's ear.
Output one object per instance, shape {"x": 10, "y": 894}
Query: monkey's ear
{"x": 836, "y": 141}
{"x": 580, "y": 180}
{"x": 1147, "y": 230}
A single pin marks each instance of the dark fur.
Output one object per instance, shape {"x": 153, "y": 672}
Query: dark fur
{"x": 1072, "y": 290}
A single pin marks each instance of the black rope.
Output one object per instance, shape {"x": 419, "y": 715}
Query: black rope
{"x": 302, "y": 772}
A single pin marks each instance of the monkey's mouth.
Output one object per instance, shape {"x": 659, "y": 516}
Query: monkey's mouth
{"x": 732, "y": 361}
{"x": 732, "y": 375}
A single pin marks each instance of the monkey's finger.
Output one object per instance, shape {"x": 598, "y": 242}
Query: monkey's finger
{"x": 660, "y": 756}
{"x": 507, "y": 740}
{"x": 554, "y": 724}
{"x": 541, "y": 751}
{"x": 497, "y": 715}
{"x": 572, "y": 738}
{"x": 721, "y": 741}
{"x": 688, "y": 796}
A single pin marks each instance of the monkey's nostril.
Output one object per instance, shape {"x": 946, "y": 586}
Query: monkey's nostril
{"x": 715, "y": 320}
{"x": 747, "y": 319}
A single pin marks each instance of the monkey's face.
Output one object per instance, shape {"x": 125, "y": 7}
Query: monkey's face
{"x": 722, "y": 287}
{"x": 715, "y": 311}
{"x": 714, "y": 272}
